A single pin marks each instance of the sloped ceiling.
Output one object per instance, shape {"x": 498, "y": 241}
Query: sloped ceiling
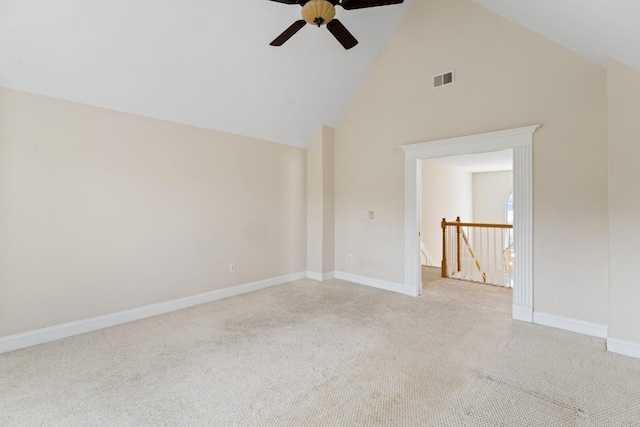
{"x": 593, "y": 28}
{"x": 208, "y": 63}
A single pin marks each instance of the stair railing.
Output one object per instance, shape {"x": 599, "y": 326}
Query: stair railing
{"x": 477, "y": 252}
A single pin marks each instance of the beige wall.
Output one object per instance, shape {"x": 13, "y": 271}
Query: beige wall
{"x": 490, "y": 192}
{"x": 447, "y": 192}
{"x": 328, "y": 206}
{"x": 320, "y": 202}
{"x": 506, "y": 77}
{"x": 624, "y": 201}
{"x": 315, "y": 210}
{"x": 102, "y": 211}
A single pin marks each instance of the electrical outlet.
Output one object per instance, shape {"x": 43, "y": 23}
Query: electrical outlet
{"x": 232, "y": 267}
{"x": 350, "y": 257}
{"x": 364, "y": 215}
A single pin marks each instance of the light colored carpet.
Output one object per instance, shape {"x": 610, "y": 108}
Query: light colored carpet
{"x": 325, "y": 354}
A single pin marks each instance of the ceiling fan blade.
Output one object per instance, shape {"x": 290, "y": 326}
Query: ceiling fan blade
{"x": 342, "y": 34}
{"x": 360, "y": 4}
{"x": 288, "y": 33}
{"x": 287, "y": 1}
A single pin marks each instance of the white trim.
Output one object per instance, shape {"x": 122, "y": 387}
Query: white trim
{"x": 495, "y": 141}
{"x": 626, "y": 348}
{"x": 573, "y": 325}
{"x": 522, "y": 313}
{"x": 376, "y": 283}
{"x": 53, "y": 333}
{"x": 520, "y": 140}
{"x": 412, "y": 196}
{"x": 314, "y": 276}
{"x": 523, "y": 225}
{"x": 321, "y": 277}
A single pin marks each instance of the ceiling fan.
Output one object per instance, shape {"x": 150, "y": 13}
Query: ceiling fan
{"x": 322, "y": 12}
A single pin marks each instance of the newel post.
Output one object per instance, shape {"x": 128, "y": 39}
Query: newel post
{"x": 443, "y": 267}
{"x": 458, "y": 247}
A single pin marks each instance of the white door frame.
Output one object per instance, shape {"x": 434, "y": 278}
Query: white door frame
{"x": 521, "y": 141}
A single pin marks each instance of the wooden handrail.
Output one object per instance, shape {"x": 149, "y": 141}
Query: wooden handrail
{"x": 459, "y": 231}
{"x": 474, "y": 224}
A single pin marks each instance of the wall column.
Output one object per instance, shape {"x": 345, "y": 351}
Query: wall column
{"x": 321, "y": 206}
{"x": 523, "y": 232}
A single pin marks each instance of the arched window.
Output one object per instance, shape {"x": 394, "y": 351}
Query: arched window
{"x": 508, "y": 252}
{"x": 509, "y": 209}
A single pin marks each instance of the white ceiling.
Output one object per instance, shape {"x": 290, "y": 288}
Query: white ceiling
{"x": 593, "y": 28}
{"x": 482, "y": 162}
{"x": 208, "y": 63}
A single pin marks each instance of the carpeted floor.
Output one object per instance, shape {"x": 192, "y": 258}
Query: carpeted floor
{"x": 326, "y": 354}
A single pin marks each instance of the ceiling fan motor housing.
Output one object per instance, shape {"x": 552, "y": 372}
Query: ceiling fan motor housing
{"x": 318, "y": 12}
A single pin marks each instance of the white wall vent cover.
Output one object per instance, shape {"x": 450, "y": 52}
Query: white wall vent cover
{"x": 443, "y": 79}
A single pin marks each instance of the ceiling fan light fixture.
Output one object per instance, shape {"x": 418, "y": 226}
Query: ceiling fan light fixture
{"x": 318, "y": 12}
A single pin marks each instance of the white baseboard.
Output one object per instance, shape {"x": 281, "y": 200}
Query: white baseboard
{"x": 376, "y": 283}
{"x": 626, "y": 348}
{"x": 314, "y": 276}
{"x": 522, "y": 313}
{"x": 321, "y": 277}
{"x": 573, "y": 325}
{"x": 53, "y": 333}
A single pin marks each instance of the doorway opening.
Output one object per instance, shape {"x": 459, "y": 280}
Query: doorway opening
{"x": 520, "y": 140}
{"x": 464, "y": 232}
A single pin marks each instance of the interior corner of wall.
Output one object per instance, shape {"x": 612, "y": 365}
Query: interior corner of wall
{"x": 329, "y": 130}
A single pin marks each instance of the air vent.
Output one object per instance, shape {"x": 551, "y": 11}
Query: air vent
{"x": 443, "y": 79}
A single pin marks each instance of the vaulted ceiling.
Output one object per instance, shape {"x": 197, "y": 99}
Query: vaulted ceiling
{"x": 593, "y": 28}
{"x": 209, "y": 63}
